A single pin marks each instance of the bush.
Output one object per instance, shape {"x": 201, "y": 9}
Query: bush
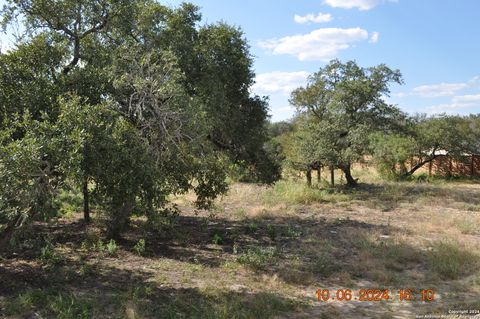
{"x": 271, "y": 231}
{"x": 48, "y": 256}
{"x": 112, "y": 248}
{"x": 140, "y": 247}
{"x": 258, "y": 258}
{"x": 217, "y": 238}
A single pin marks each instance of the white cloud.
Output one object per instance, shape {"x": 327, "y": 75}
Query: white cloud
{"x": 358, "y": 4}
{"x": 458, "y": 103}
{"x": 279, "y": 82}
{"x": 319, "y": 18}
{"x": 374, "y": 37}
{"x": 321, "y": 44}
{"x": 6, "y": 46}
{"x": 439, "y": 90}
{"x": 467, "y": 100}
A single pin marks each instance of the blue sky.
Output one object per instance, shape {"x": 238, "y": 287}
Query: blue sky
{"x": 434, "y": 43}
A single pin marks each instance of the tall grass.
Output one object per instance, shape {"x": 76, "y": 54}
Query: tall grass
{"x": 294, "y": 192}
{"x": 451, "y": 261}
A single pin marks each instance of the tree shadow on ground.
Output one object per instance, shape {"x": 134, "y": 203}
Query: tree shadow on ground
{"x": 109, "y": 292}
{"x": 299, "y": 250}
{"x": 388, "y": 197}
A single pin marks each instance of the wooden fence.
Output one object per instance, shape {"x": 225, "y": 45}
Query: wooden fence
{"x": 445, "y": 165}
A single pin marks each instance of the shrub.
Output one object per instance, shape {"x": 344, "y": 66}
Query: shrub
{"x": 271, "y": 231}
{"x": 258, "y": 258}
{"x": 112, "y": 248}
{"x": 251, "y": 228}
{"x": 217, "y": 239}
{"x": 140, "y": 247}
{"x": 48, "y": 256}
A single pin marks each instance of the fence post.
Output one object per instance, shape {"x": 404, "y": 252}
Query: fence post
{"x": 332, "y": 176}
{"x": 309, "y": 177}
{"x": 472, "y": 166}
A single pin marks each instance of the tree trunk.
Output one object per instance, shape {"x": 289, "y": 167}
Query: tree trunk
{"x": 309, "y": 178}
{"x": 6, "y": 235}
{"x": 351, "y": 182}
{"x": 86, "y": 204}
{"x": 319, "y": 175}
{"x": 332, "y": 176}
{"x": 120, "y": 218}
{"x": 9, "y": 231}
{"x": 419, "y": 165}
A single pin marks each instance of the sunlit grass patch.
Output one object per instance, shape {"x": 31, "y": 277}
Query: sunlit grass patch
{"x": 51, "y": 304}
{"x": 292, "y": 192}
{"x": 258, "y": 258}
{"x": 450, "y": 260}
{"x": 467, "y": 226}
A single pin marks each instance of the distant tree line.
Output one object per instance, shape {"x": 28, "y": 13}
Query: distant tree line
{"x": 342, "y": 117}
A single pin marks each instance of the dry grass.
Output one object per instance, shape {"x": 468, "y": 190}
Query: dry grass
{"x": 261, "y": 253}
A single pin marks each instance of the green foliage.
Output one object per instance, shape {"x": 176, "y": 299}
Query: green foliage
{"x": 324, "y": 265}
{"x": 140, "y": 247}
{"x": 69, "y": 202}
{"x": 50, "y": 303}
{"x": 293, "y": 232}
{"x": 422, "y": 140}
{"x": 135, "y": 121}
{"x": 48, "y": 256}
{"x": 271, "y": 232}
{"x": 217, "y": 238}
{"x": 251, "y": 228}
{"x": 259, "y": 258}
{"x": 29, "y": 170}
{"x": 111, "y": 248}
{"x": 340, "y": 106}
{"x": 69, "y": 307}
{"x": 293, "y": 193}
{"x": 466, "y": 226}
{"x": 449, "y": 261}
{"x": 391, "y": 152}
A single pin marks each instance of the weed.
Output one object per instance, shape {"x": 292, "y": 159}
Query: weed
{"x": 466, "y": 226}
{"x": 324, "y": 265}
{"x": 48, "y": 256}
{"x": 449, "y": 261}
{"x": 217, "y": 238}
{"x": 68, "y": 306}
{"x": 69, "y": 203}
{"x": 112, "y": 248}
{"x": 293, "y": 193}
{"x": 258, "y": 258}
{"x": 293, "y": 232}
{"x": 50, "y": 304}
{"x": 251, "y": 228}
{"x": 140, "y": 247}
{"x": 240, "y": 213}
{"x": 271, "y": 231}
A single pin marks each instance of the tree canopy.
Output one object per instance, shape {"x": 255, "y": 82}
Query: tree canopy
{"x": 341, "y": 105}
{"x": 130, "y": 101}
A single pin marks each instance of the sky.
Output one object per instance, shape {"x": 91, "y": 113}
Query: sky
{"x": 434, "y": 43}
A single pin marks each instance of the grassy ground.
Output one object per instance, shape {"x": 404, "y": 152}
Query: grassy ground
{"x": 260, "y": 253}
